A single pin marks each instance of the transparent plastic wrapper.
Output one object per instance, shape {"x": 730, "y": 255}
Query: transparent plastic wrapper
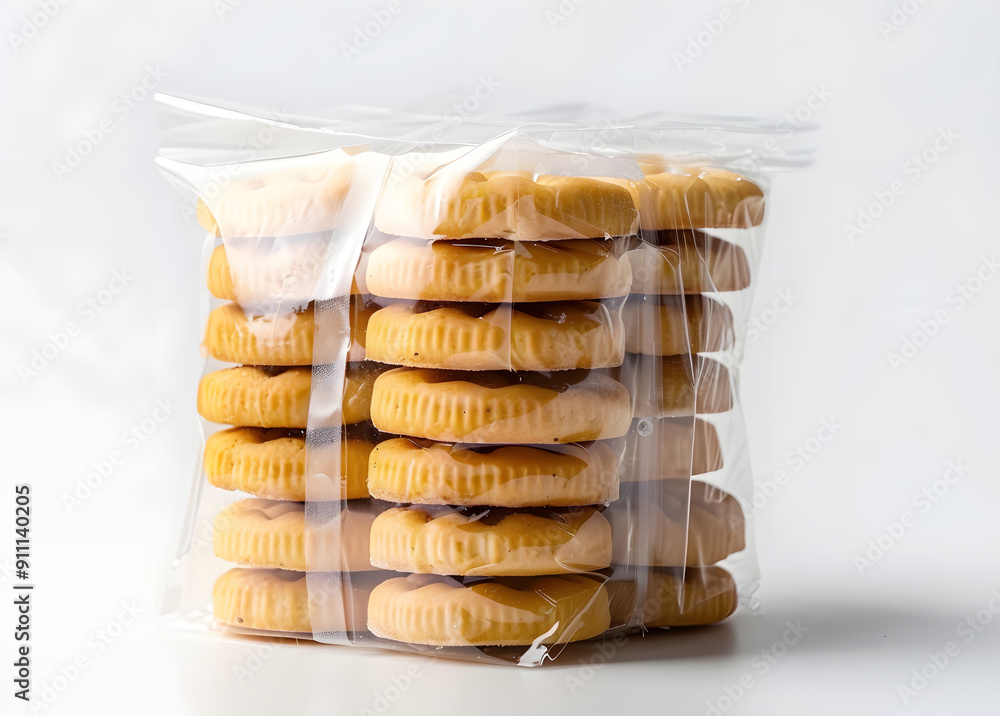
{"x": 477, "y": 382}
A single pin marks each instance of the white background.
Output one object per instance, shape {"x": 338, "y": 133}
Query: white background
{"x": 826, "y": 357}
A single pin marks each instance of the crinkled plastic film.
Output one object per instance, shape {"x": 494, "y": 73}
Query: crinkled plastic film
{"x": 478, "y": 383}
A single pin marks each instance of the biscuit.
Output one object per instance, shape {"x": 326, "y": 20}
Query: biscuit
{"x": 275, "y": 600}
{"x": 498, "y": 271}
{"x": 429, "y": 473}
{"x": 674, "y": 325}
{"x": 512, "y": 611}
{"x": 675, "y": 386}
{"x": 490, "y": 543}
{"x": 677, "y": 526}
{"x": 445, "y": 204}
{"x": 282, "y": 276}
{"x": 279, "y": 339}
{"x": 268, "y": 533}
{"x": 317, "y": 195}
{"x": 679, "y": 597}
{"x": 674, "y": 196}
{"x": 702, "y": 264}
{"x": 265, "y": 397}
{"x": 672, "y": 448}
{"x": 500, "y": 407}
{"x": 475, "y": 336}
{"x": 272, "y": 464}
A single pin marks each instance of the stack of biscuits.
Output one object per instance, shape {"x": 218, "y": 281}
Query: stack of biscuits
{"x": 520, "y": 436}
{"x": 672, "y": 525}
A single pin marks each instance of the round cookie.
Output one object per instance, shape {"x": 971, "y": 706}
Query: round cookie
{"x": 703, "y": 265}
{"x": 494, "y": 543}
{"x": 272, "y": 464}
{"x": 667, "y": 387}
{"x": 674, "y": 196}
{"x": 278, "y": 339}
{"x": 282, "y": 276}
{"x": 275, "y": 600}
{"x": 265, "y": 397}
{"x": 473, "y": 336}
{"x": 670, "y": 448}
{"x": 675, "y": 325}
{"x": 450, "y": 204}
{"x": 499, "y": 271}
{"x": 677, "y": 527}
{"x": 268, "y": 533}
{"x": 439, "y": 611}
{"x": 424, "y": 472}
{"x": 691, "y": 596}
{"x": 500, "y": 407}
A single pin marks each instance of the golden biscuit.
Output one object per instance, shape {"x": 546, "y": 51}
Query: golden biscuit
{"x": 475, "y": 336}
{"x": 690, "y": 264}
{"x": 491, "y": 543}
{"x": 498, "y": 271}
{"x": 266, "y": 278}
{"x": 272, "y": 464}
{"x": 500, "y": 407}
{"x": 679, "y": 597}
{"x": 512, "y": 611}
{"x": 429, "y": 473}
{"x": 675, "y": 386}
{"x": 268, "y": 533}
{"x": 672, "y": 448}
{"x": 674, "y": 196}
{"x": 263, "y": 397}
{"x": 275, "y": 600}
{"x": 674, "y": 325}
{"x": 280, "y": 339}
{"x": 676, "y": 526}
{"x": 506, "y": 205}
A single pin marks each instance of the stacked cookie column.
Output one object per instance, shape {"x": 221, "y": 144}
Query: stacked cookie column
{"x": 265, "y": 398}
{"x": 502, "y": 401}
{"x": 674, "y": 523}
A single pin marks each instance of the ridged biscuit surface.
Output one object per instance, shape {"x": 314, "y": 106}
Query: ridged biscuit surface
{"x": 532, "y": 337}
{"x": 448, "y": 204}
{"x": 272, "y": 464}
{"x": 425, "y": 472}
{"x": 692, "y": 265}
{"x": 500, "y": 407}
{"x": 674, "y": 325}
{"x": 268, "y": 533}
{"x": 499, "y": 271}
{"x": 491, "y": 543}
{"x": 438, "y": 611}
{"x": 264, "y": 397}
{"x": 692, "y": 596}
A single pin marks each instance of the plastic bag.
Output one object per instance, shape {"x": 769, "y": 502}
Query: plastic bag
{"x": 478, "y": 381}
